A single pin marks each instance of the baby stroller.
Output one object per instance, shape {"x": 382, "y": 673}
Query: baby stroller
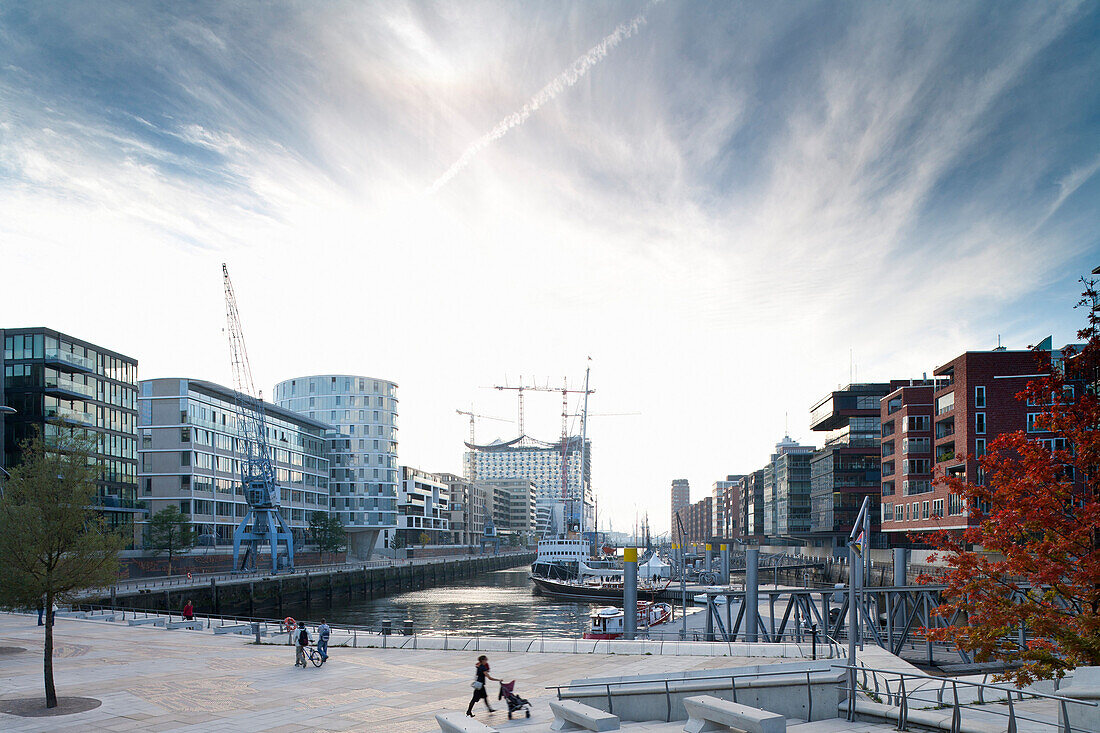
{"x": 515, "y": 702}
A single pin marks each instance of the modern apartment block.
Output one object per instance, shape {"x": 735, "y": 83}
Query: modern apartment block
{"x": 423, "y": 506}
{"x": 846, "y": 469}
{"x": 906, "y": 416}
{"x": 190, "y": 457}
{"x": 727, "y": 509}
{"x": 700, "y": 520}
{"x": 513, "y": 508}
{"x": 60, "y": 386}
{"x": 787, "y": 491}
{"x": 541, "y": 463}
{"x": 752, "y": 506}
{"x": 681, "y": 500}
{"x": 470, "y": 505}
{"x": 363, "y": 412}
{"x": 973, "y": 402}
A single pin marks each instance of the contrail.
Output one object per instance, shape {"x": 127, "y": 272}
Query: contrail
{"x": 566, "y": 79}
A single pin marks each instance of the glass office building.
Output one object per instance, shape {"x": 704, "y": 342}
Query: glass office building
{"x": 62, "y": 386}
{"x": 363, "y": 484}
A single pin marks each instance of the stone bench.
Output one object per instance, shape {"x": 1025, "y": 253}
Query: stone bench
{"x": 706, "y": 713}
{"x": 572, "y": 715}
{"x": 151, "y": 621}
{"x": 461, "y": 723}
{"x": 195, "y": 625}
{"x": 233, "y": 629}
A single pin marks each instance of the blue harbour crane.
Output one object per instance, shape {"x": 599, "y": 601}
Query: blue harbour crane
{"x": 262, "y": 524}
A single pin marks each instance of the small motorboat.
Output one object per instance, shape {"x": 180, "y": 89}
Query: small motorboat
{"x": 607, "y": 623}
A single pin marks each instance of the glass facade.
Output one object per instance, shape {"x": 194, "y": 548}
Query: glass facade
{"x": 363, "y": 412}
{"x": 190, "y": 457}
{"x": 63, "y": 386}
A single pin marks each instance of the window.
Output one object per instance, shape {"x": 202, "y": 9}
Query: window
{"x": 917, "y": 445}
{"x": 979, "y": 447}
{"x": 1032, "y": 420}
{"x": 147, "y": 486}
{"x": 954, "y": 505}
{"x": 924, "y": 510}
{"x": 979, "y": 423}
{"x": 185, "y": 506}
{"x": 979, "y": 396}
{"x": 916, "y": 423}
{"x": 945, "y": 403}
{"x": 887, "y": 488}
{"x": 937, "y": 507}
{"x": 898, "y": 513}
{"x": 185, "y": 458}
{"x": 887, "y": 468}
{"x": 917, "y": 465}
{"x": 185, "y": 435}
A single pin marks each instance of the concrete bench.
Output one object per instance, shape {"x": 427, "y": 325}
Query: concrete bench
{"x": 103, "y": 617}
{"x": 196, "y": 625}
{"x": 706, "y": 713}
{"x": 572, "y": 715}
{"x": 461, "y": 723}
{"x": 234, "y": 629}
{"x": 70, "y": 614}
{"x": 151, "y": 621}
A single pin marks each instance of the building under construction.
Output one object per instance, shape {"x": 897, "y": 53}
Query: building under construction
{"x": 558, "y": 503}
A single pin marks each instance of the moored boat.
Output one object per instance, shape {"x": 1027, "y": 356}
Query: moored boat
{"x": 607, "y": 623}
{"x": 597, "y": 588}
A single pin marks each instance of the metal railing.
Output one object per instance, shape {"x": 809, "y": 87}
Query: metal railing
{"x": 897, "y": 695}
{"x": 202, "y": 578}
{"x": 623, "y": 687}
{"x": 355, "y": 635}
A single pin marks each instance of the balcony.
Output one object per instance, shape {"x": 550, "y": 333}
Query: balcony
{"x": 66, "y": 414}
{"x": 944, "y": 428}
{"x": 70, "y": 361}
{"x": 69, "y": 389}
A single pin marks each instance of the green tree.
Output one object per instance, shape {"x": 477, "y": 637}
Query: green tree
{"x": 170, "y": 531}
{"x": 326, "y": 532}
{"x": 53, "y": 543}
{"x": 425, "y": 538}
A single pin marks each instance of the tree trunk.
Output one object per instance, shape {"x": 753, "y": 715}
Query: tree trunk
{"x": 47, "y": 651}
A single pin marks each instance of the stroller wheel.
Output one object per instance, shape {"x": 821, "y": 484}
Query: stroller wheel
{"x": 509, "y": 715}
{"x": 528, "y": 713}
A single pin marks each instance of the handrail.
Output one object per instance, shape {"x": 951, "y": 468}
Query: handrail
{"x": 955, "y": 680}
{"x": 626, "y": 683}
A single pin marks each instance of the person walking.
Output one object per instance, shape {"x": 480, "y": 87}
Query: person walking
{"x": 301, "y": 641}
{"x": 323, "y": 632}
{"x": 482, "y": 673}
{"x": 188, "y": 611}
{"x": 41, "y": 611}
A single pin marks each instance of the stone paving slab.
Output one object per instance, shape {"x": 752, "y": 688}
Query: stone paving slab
{"x": 181, "y": 681}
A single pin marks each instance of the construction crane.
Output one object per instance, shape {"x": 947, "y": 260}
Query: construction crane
{"x": 262, "y": 523}
{"x": 471, "y": 463}
{"x": 519, "y": 390}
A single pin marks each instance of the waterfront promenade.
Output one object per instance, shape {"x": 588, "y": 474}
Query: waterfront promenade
{"x": 149, "y": 679}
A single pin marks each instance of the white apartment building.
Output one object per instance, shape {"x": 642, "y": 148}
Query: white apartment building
{"x": 423, "y": 506}
{"x": 363, "y": 413}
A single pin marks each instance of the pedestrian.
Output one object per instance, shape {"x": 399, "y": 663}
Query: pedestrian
{"x": 41, "y": 611}
{"x": 188, "y": 611}
{"x": 482, "y": 673}
{"x": 301, "y": 641}
{"x": 323, "y": 632}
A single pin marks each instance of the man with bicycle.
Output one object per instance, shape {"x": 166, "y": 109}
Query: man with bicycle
{"x": 301, "y": 643}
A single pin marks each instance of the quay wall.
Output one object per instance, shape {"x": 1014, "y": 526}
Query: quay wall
{"x": 273, "y": 596}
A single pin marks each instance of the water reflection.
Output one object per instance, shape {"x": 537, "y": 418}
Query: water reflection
{"x": 501, "y": 602}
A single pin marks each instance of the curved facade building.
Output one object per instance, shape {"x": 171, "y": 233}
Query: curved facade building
{"x": 363, "y": 471}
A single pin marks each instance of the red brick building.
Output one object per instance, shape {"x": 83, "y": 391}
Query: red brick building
{"x": 931, "y": 431}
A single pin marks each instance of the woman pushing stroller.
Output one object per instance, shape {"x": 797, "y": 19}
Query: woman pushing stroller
{"x": 482, "y": 674}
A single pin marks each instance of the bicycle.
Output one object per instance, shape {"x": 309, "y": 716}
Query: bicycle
{"x": 315, "y": 656}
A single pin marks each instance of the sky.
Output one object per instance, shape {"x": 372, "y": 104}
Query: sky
{"x": 730, "y": 207}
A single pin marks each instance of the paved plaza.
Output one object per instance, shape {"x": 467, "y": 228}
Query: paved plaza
{"x": 149, "y": 679}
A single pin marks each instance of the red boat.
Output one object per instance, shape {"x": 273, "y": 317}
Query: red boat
{"x": 607, "y": 623}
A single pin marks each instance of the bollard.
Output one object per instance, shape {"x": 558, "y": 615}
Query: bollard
{"x": 706, "y": 562}
{"x": 725, "y": 579}
{"x": 387, "y": 627}
{"x": 256, "y": 630}
{"x": 630, "y": 592}
{"x": 752, "y": 591}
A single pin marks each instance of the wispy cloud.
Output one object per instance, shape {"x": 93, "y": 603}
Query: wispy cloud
{"x": 548, "y": 93}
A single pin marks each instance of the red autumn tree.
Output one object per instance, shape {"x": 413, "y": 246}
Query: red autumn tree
{"x": 1033, "y": 559}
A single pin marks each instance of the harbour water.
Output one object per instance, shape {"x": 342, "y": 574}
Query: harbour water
{"x": 501, "y": 602}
